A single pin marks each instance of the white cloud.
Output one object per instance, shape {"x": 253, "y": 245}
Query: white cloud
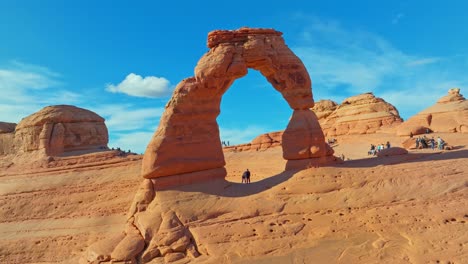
{"x": 136, "y": 85}
{"x": 25, "y": 88}
{"x": 127, "y": 117}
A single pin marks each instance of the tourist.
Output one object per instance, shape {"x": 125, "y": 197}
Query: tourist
{"x": 388, "y": 144}
{"x": 246, "y": 176}
{"x": 423, "y": 142}
{"x": 440, "y": 143}
{"x": 432, "y": 143}
{"x": 417, "y": 142}
{"x": 372, "y": 150}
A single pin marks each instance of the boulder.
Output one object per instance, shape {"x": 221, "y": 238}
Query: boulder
{"x": 393, "y": 151}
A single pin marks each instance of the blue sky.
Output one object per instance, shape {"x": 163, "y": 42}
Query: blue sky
{"x": 122, "y": 59}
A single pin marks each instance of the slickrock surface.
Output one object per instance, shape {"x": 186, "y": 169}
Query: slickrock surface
{"x": 449, "y": 114}
{"x": 360, "y": 114}
{"x": 399, "y": 209}
{"x": 188, "y": 125}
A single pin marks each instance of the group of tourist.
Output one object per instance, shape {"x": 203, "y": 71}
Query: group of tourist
{"x": 225, "y": 143}
{"x": 425, "y": 142}
{"x": 376, "y": 149}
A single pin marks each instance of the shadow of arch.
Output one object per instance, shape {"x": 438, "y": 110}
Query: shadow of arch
{"x": 224, "y": 188}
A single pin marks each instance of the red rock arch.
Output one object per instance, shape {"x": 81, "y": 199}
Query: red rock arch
{"x": 187, "y": 139}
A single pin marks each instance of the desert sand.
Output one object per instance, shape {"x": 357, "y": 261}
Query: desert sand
{"x": 400, "y": 209}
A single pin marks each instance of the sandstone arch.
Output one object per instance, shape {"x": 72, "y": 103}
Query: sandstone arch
{"x": 187, "y": 139}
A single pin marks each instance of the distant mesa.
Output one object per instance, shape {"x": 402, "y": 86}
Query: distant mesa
{"x": 449, "y": 114}
{"x": 54, "y": 130}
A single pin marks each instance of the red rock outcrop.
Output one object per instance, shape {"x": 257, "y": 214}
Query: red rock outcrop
{"x": 61, "y": 128}
{"x": 393, "y": 151}
{"x": 55, "y": 130}
{"x": 186, "y": 147}
{"x": 360, "y": 114}
{"x": 323, "y": 109}
{"x": 449, "y": 114}
{"x": 261, "y": 142}
{"x": 185, "y": 140}
{"x": 7, "y": 135}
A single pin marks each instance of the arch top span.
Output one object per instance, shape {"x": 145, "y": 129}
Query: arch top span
{"x": 187, "y": 139}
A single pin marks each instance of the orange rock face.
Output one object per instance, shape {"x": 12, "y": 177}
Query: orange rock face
{"x": 360, "y": 114}
{"x": 187, "y": 139}
{"x": 55, "y": 130}
{"x": 449, "y": 114}
{"x": 7, "y": 134}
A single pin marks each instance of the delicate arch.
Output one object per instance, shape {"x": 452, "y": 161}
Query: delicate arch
{"x": 187, "y": 139}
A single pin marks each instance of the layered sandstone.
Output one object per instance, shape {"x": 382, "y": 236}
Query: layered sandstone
{"x": 55, "y": 130}
{"x": 449, "y": 114}
{"x": 323, "y": 109}
{"x": 7, "y": 134}
{"x": 185, "y": 140}
{"x": 260, "y": 143}
{"x": 360, "y": 114}
{"x": 185, "y": 149}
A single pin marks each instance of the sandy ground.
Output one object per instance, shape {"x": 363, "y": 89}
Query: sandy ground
{"x": 404, "y": 209}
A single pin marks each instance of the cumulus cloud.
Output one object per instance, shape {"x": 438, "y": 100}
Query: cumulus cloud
{"x": 136, "y": 85}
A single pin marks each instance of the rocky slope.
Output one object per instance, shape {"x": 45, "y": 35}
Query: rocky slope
{"x": 364, "y": 210}
{"x": 449, "y": 114}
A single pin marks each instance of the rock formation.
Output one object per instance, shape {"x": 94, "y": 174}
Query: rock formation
{"x": 449, "y": 114}
{"x": 7, "y": 134}
{"x": 360, "y": 114}
{"x": 186, "y": 147}
{"x": 187, "y": 139}
{"x": 260, "y": 143}
{"x": 323, "y": 109}
{"x": 54, "y": 130}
